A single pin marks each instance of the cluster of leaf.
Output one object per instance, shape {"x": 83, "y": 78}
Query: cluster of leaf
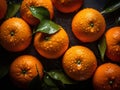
{"x": 110, "y": 7}
{"x": 52, "y": 80}
{"x": 46, "y": 25}
{"x": 13, "y": 8}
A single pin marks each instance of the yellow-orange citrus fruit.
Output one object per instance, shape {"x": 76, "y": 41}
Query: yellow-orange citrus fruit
{"x": 67, "y": 6}
{"x": 88, "y": 25}
{"x": 113, "y": 44}
{"x": 3, "y": 8}
{"x": 107, "y": 77}
{"x": 51, "y": 46}
{"x": 79, "y": 63}
{"x": 24, "y": 69}
{"x": 26, "y": 13}
{"x": 15, "y": 34}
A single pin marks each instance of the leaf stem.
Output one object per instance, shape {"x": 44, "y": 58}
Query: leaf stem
{"x": 111, "y": 9}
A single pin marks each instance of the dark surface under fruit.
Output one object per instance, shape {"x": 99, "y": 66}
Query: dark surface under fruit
{"x": 65, "y": 21}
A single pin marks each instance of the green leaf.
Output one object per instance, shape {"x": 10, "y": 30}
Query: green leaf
{"x": 35, "y": 84}
{"x": 102, "y": 47}
{"x": 40, "y": 13}
{"x": 49, "y": 81}
{"x": 117, "y": 22}
{"x": 4, "y": 67}
{"x": 46, "y": 87}
{"x": 13, "y": 8}
{"x": 110, "y": 3}
{"x": 47, "y": 26}
{"x": 3, "y": 70}
{"x": 111, "y": 8}
{"x": 59, "y": 75}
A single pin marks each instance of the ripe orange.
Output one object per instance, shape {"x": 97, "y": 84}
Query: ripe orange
{"x": 23, "y": 69}
{"x": 3, "y": 8}
{"x": 113, "y": 44}
{"x": 88, "y": 25}
{"x": 107, "y": 77}
{"x": 51, "y": 46}
{"x": 15, "y": 34}
{"x": 79, "y": 63}
{"x": 67, "y": 6}
{"x": 26, "y": 13}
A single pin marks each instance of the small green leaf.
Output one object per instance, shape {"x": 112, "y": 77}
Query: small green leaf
{"x": 59, "y": 75}
{"x": 111, "y": 8}
{"x": 46, "y": 87}
{"x": 47, "y": 26}
{"x": 4, "y": 65}
{"x": 40, "y": 13}
{"x": 49, "y": 81}
{"x": 35, "y": 84}
{"x": 117, "y": 22}
{"x": 102, "y": 47}
{"x": 13, "y": 8}
{"x": 109, "y": 3}
{"x": 3, "y": 70}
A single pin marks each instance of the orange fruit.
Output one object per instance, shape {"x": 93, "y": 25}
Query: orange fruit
{"x": 15, "y": 34}
{"x": 51, "y": 46}
{"x": 26, "y": 13}
{"x": 3, "y": 8}
{"x": 79, "y": 63}
{"x": 88, "y": 25}
{"x": 107, "y": 77}
{"x": 67, "y": 6}
{"x": 23, "y": 69}
{"x": 113, "y": 43}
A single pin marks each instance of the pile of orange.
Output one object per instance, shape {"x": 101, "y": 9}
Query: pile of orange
{"x": 15, "y": 34}
{"x": 113, "y": 44}
{"x": 78, "y": 62}
{"x": 25, "y": 68}
{"x": 107, "y": 77}
{"x": 88, "y": 25}
{"x": 26, "y": 13}
{"x": 3, "y": 8}
{"x": 67, "y": 6}
{"x": 51, "y": 46}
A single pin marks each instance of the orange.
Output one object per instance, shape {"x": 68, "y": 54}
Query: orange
{"x": 26, "y": 13}
{"x": 79, "y": 63}
{"x": 67, "y": 6}
{"x": 15, "y": 34}
{"x": 113, "y": 43}
{"x": 23, "y": 69}
{"x": 88, "y": 25}
{"x": 51, "y": 46}
{"x": 107, "y": 77}
{"x": 3, "y": 8}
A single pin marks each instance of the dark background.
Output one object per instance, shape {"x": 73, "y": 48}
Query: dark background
{"x": 65, "y": 21}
